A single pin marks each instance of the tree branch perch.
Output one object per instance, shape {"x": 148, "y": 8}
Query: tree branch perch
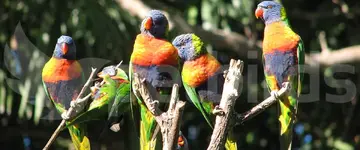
{"x": 70, "y": 111}
{"x": 168, "y": 121}
{"x": 241, "y": 118}
{"x": 232, "y": 87}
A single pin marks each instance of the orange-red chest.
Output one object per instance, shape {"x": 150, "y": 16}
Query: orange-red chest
{"x": 198, "y": 71}
{"x": 279, "y": 37}
{"x": 151, "y": 51}
{"x": 61, "y": 70}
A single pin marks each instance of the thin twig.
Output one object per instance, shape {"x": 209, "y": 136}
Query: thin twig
{"x": 241, "y": 118}
{"x": 168, "y": 121}
{"x": 232, "y": 86}
{"x": 70, "y": 111}
{"x": 323, "y": 43}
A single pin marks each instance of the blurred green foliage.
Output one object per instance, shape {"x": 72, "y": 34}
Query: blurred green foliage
{"x": 103, "y": 29}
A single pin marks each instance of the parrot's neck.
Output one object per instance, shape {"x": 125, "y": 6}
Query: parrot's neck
{"x": 272, "y": 20}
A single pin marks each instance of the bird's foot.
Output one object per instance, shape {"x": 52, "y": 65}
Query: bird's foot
{"x": 77, "y": 106}
{"x": 218, "y": 111}
{"x": 286, "y": 85}
{"x": 153, "y": 105}
{"x": 274, "y": 94}
{"x": 115, "y": 127}
{"x": 225, "y": 73}
{"x": 65, "y": 115}
{"x": 95, "y": 88}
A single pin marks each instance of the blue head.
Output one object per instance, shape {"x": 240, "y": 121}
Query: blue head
{"x": 155, "y": 24}
{"x": 270, "y": 12}
{"x": 189, "y": 46}
{"x": 65, "y": 48}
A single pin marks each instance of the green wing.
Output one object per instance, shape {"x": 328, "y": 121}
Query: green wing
{"x": 121, "y": 101}
{"x": 98, "y": 107}
{"x": 113, "y": 96}
{"x": 191, "y": 92}
{"x": 132, "y": 101}
{"x": 301, "y": 60}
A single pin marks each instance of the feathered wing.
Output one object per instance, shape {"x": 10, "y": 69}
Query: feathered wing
{"x": 301, "y": 61}
{"x": 193, "y": 95}
{"x": 122, "y": 98}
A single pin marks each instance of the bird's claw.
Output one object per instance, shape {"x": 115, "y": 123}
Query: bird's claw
{"x": 274, "y": 94}
{"x": 286, "y": 85}
{"x": 65, "y": 116}
{"x": 218, "y": 111}
{"x": 115, "y": 127}
{"x": 78, "y": 106}
{"x": 153, "y": 105}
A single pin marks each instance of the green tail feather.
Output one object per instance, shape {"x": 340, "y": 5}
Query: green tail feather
{"x": 287, "y": 114}
{"x": 80, "y": 141}
{"x": 230, "y": 142}
{"x": 147, "y": 128}
{"x": 77, "y": 133}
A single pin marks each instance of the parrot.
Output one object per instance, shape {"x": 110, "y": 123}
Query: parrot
{"x": 202, "y": 78}
{"x": 156, "y": 60}
{"x": 110, "y": 100}
{"x": 283, "y": 59}
{"x": 62, "y": 78}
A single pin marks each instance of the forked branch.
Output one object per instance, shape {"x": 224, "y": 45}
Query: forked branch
{"x": 231, "y": 91}
{"x": 168, "y": 121}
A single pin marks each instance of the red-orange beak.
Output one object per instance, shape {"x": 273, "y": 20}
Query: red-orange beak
{"x": 148, "y": 23}
{"x": 64, "y": 48}
{"x": 101, "y": 75}
{"x": 259, "y": 12}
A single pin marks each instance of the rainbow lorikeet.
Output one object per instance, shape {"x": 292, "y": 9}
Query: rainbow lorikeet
{"x": 202, "y": 78}
{"x": 110, "y": 100}
{"x": 62, "y": 79}
{"x": 283, "y": 56}
{"x": 155, "y": 60}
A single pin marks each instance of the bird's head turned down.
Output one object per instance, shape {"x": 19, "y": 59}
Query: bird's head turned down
{"x": 155, "y": 24}
{"x": 270, "y": 11}
{"x": 189, "y": 46}
{"x": 65, "y": 48}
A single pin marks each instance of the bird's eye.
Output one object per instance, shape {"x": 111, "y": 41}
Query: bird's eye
{"x": 269, "y": 7}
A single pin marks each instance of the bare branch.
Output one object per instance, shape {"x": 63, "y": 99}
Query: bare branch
{"x": 323, "y": 42}
{"x": 345, "y": 55}
{"x": 70, "y": 111}
{"x": 168, "y": 121}
{"x": 171, "y": 121}
{"x": 232, "y": 86}
{"x": 241, "y": 118}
